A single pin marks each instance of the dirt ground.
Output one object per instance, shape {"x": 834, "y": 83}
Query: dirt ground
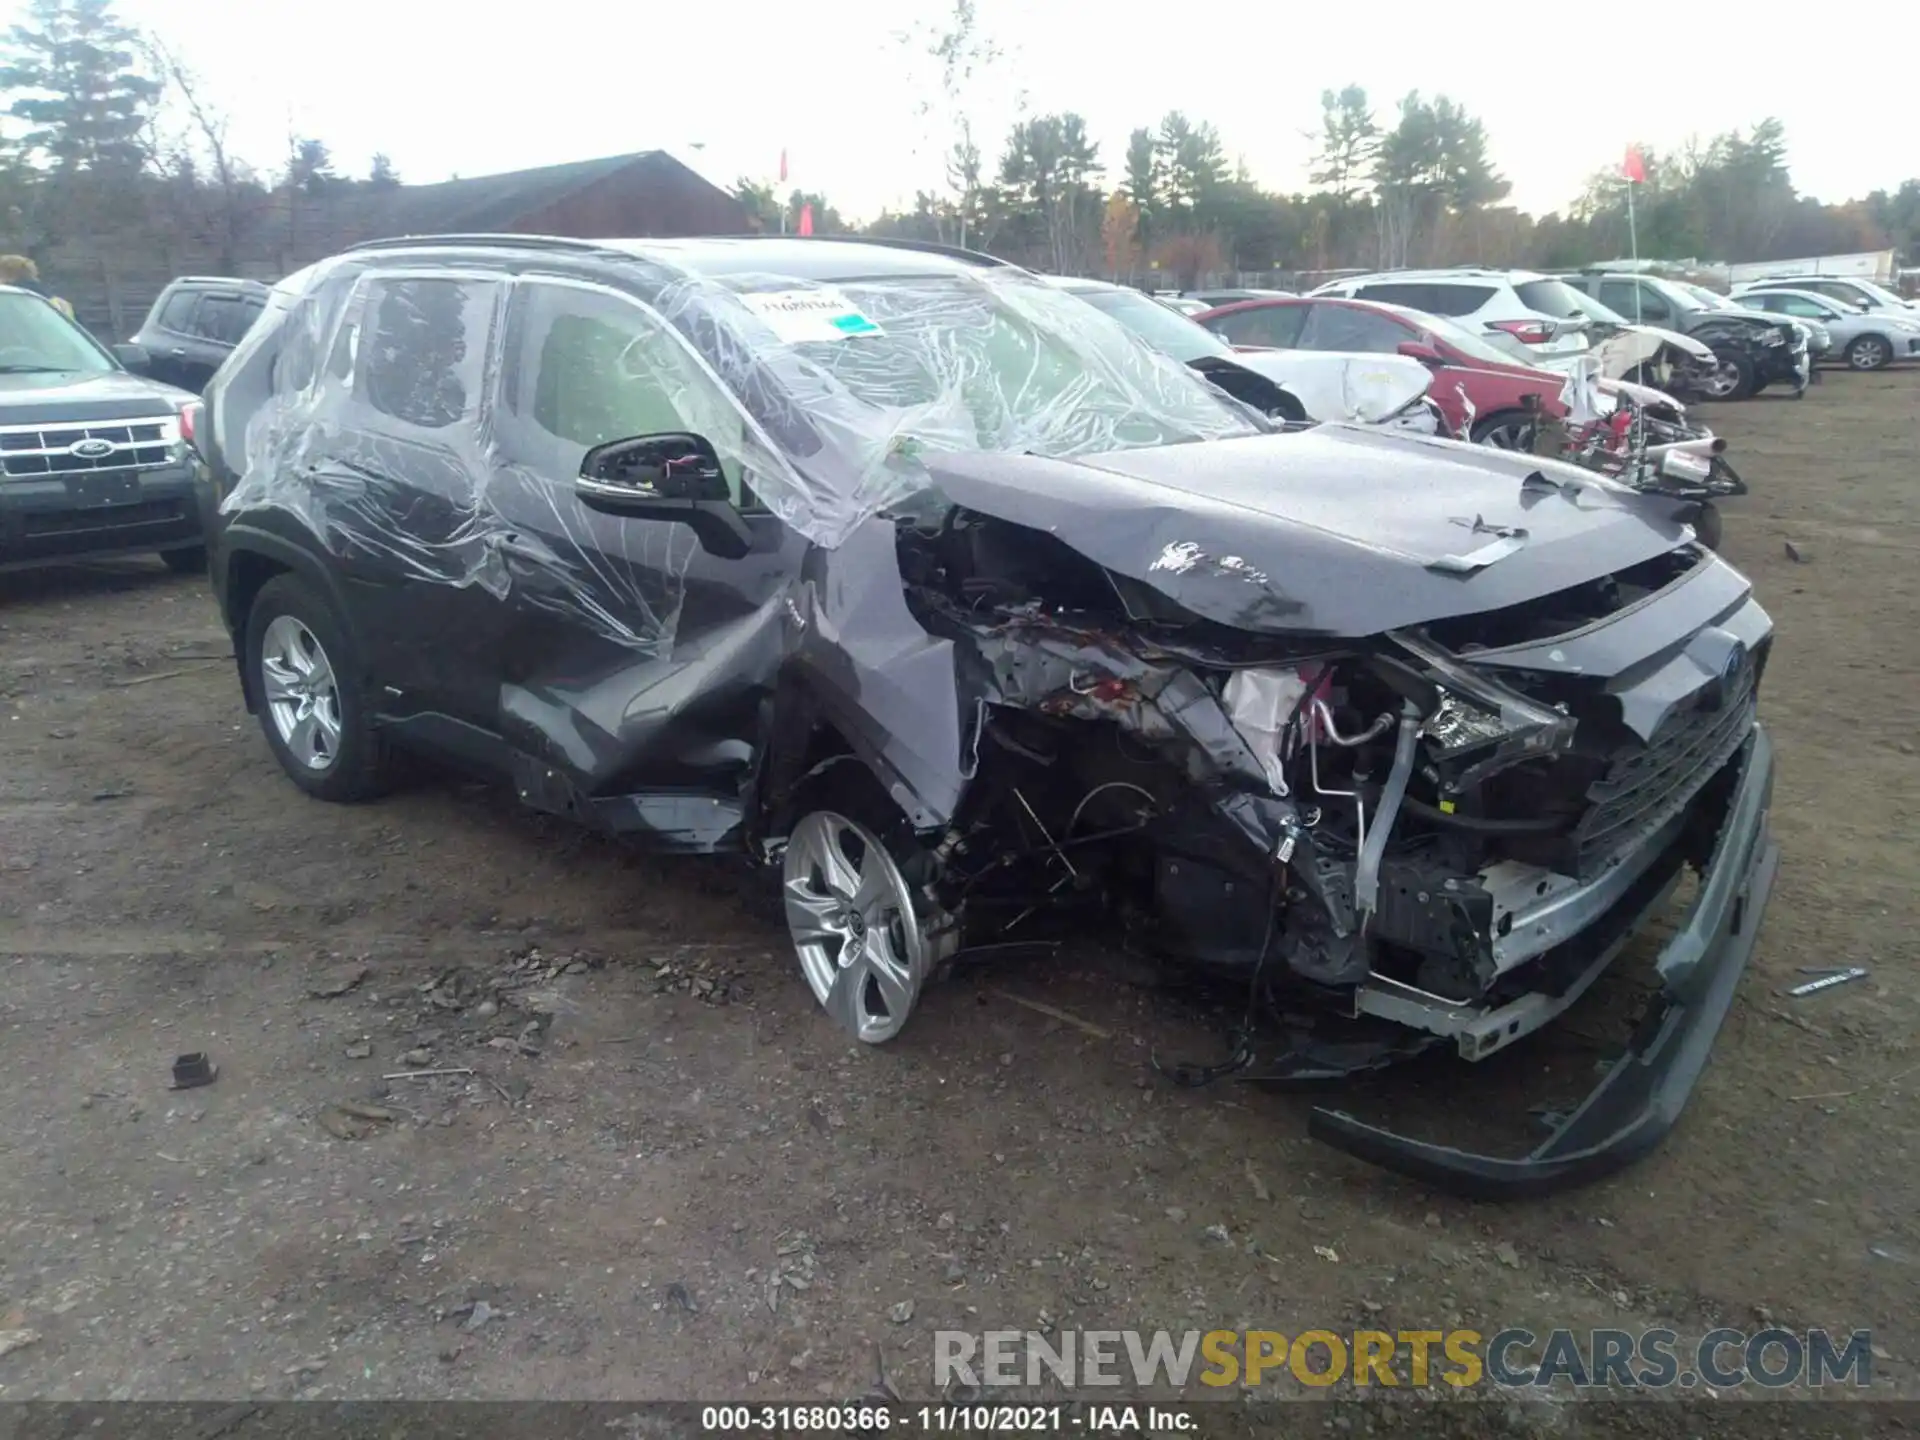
{"x": 668, "y": 1176}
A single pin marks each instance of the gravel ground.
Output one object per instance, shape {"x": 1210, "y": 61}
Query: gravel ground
{"x": 662, "y": 1174}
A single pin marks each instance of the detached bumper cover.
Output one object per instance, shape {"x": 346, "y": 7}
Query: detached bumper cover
{"x": 1633, "y": 1108}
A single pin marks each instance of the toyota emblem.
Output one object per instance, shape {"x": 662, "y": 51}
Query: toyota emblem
{"x": 91, "y": 448}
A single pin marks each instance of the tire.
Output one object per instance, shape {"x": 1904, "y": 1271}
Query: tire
{"x": 320, "y": 729}
{"x": 1706, "y": 525}
{"x": 1735, "y": 379}
{"x": 1505, "y": 430}
{"x": 186, "y": 562}
{"x": 1869, "y": 352}
{"x": 865, "y": 960}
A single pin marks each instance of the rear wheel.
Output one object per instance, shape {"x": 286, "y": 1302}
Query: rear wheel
{"x": 853, "y": 881}
{"x": 304, "y": 675}
{"x": 191, "y": 561}
{"x": 1869, "y": 352}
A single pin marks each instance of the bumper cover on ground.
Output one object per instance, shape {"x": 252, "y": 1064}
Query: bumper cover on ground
{"x": 1634, "y": 1107}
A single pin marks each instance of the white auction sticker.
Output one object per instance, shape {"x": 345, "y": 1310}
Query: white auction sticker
{"x": 802, "y": 316}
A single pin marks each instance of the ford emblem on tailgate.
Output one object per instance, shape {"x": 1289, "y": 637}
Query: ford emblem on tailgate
{"x": 91, "y": 448}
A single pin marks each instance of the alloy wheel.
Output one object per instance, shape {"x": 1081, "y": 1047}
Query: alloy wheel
{"x": 853, "y": 925}
{"x": 1869, "y": 352}
{"x": 301, "y": 692}
{"x": 1724, "y": 380}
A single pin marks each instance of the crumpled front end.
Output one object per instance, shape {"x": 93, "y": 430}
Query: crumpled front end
{"x": 1440, "y": 835}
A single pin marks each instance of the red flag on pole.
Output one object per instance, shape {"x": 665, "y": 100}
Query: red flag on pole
{"x": 1635, "y": 166}
{"x": 783, "y": 166}
{"x": 806, "y": 219}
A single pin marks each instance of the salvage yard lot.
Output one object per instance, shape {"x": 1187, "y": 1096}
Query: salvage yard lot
{"x": 668, "y": 1176}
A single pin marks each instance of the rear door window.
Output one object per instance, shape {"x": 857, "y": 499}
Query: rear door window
{"x": 419, "y": 352}
{"x": 1277, "y": 326}
{"x": 177, "y": 314}
{"x": 1434, "y": 297}
{"x": 225, "y": 319}
{"x": 1350, "y": 328}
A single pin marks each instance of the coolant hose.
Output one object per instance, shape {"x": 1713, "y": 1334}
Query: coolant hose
{"x": 1366, "y": 875}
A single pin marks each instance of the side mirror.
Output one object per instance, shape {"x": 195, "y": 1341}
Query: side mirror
{"x": 674, "y": 477}
{"x": 133, "y": 358}
{"x": 1423, "y": 352}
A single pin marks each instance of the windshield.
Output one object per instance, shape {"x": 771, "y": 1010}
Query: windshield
{"x": 1675, "y": 295}
{"x": 1710, "y": 299}
{"x": 35, "y": 337}
{"x": 1163, "y": 329}
{"x": 855, "y": 383}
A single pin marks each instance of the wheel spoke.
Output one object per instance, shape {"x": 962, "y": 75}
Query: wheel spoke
{"x": 303, "y": 738}
{"x": 875, "y": 885}
{"x": 319, "y": 676}
{"x": 840, "y": 873}
{"x": 843, "y": 1000}
{"x": 278, "y": 679}
{"x": 893, "y": 979}
{"x": 810, "y": 916}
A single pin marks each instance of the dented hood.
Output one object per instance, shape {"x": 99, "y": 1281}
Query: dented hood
{"x": 1340, "y": 530}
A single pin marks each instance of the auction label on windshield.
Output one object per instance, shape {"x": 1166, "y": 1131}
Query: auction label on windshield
{"x": 800, "y": 317}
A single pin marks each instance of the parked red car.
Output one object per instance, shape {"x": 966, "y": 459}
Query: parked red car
{"x": 1469, "y": 373}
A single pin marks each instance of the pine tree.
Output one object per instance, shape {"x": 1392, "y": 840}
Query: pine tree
{"x": 87, "y": 101}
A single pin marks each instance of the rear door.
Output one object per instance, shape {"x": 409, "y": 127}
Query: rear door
{"x": 178, "y": 353}
{"x": 396, "y": 474}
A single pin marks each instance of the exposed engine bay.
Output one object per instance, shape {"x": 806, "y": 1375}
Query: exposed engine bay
{"x": 1360, "y": 832}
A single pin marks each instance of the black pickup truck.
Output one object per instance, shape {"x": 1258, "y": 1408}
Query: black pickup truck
{"x": 1754, "y": 349}
{"x": 94, "y": 459}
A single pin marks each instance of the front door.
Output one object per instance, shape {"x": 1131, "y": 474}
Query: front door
{"x": 626, "y": 655}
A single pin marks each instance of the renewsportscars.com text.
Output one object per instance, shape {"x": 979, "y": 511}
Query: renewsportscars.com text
{"x": 1215, "y": 1359}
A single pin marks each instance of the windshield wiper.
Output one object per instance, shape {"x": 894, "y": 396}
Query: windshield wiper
{"x": 33, "y": 370}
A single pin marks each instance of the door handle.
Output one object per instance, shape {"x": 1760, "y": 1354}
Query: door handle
{"x": 179, "y": 351}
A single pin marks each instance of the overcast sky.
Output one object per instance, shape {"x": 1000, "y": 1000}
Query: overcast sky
{"x": 445, "y": 89}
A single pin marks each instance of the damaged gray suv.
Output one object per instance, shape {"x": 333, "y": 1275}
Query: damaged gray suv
{"x": 931, "y": 586}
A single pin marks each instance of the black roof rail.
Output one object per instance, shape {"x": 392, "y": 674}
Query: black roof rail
{"x": 562, "y": 243}
{"x": 513, "y": 242}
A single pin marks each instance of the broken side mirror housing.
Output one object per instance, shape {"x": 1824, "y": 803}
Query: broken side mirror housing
{"x": 674, "y": 476}
{"x": 1423, "y": 352}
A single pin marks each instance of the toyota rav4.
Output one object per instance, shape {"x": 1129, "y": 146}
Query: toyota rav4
{"x": 931, "y": 586}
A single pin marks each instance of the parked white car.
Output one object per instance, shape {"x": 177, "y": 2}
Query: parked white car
{"x": 1329, "y": 385}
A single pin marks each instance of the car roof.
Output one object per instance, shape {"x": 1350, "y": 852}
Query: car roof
{"x": 1461, "y": 273}
{"x": 224, "y": 282}
{"x": 826, "y": 258}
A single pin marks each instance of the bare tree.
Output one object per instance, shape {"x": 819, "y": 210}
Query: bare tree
{"x": 230, "y": 209}
{"x": 960, "y": 52}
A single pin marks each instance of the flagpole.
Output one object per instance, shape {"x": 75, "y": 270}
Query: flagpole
{"x": 1634, "y": 169}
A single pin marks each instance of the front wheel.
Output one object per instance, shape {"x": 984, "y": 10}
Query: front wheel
{"x": 1869, "y": 352}
{"x": 864, "y": 926}
{"x": 1733, "y": 377}
{"x": 1509, "y": 430}
{"x": 304, "y": 675}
